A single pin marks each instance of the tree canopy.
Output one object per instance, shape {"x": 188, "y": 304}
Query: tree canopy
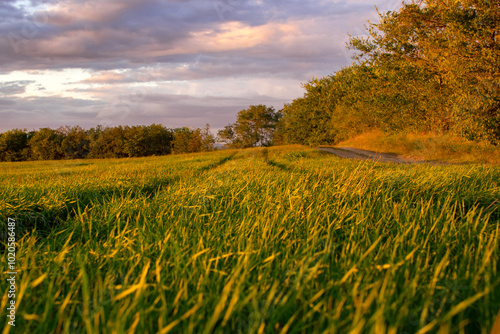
{"x": 254, "y": 126}
{"x": 432, "y": 65}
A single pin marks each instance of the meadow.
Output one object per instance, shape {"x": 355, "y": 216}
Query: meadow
{"x": 278, "y": 240}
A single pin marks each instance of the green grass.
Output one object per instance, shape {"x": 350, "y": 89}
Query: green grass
{"x": 279, "y": 240}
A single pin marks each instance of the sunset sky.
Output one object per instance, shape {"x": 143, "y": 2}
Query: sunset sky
{"x": 174, "y": 62}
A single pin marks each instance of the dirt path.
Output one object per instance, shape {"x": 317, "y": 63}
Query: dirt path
{"x": 356, "y": 153}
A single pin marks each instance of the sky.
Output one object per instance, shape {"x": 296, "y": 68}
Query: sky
{"x": 171, "y": 62}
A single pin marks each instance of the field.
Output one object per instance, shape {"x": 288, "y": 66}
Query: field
{"x": 278, "y": 240}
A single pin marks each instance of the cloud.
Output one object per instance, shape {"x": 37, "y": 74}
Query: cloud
{"x": 4, "y": 102}
{"x": 14, "y": 87}
{"x": 180, "y": 62}
{"x": 122, "y": 34}
{"x": 37, "y": 112}
{"x": 105, "y": 77}
{"x": 171, "y": 110}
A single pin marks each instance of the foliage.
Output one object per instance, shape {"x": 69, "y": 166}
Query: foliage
{"x": 46, "y": 144}
{"x": 227, "y": 136}
{"x": 101, "y": 142}
{"x": 141, "y": 141}
{"x": 76, "y": 144}
{"x": 333, "y": 108}
{"x": 307, "y": 120}
{"x": 107, "y": 142}
{"x": 254, "y": 126}
{"x": 453, "y": 48}
{"x": 429, "y": 66}
{"x": 207, "y": 139}
{"x": 14, "y": 145}
{"x": 186, "y": 140}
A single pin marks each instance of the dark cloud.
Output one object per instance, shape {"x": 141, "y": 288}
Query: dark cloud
{"x": 39, "y": 112}
{"x": 4, "y": 102}
{"x": 14, "y": 87}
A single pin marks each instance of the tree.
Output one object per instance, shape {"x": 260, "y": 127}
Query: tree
{"x": 453, "y": 49}
{"x": 108, "y": 142}
{"x": 45, "y": 144}
{"x": 141, "y": 141}
{"x": 14, "y": 145}
{"x": 75, "y": 143}
{"x": 227, "y": 137}
{"x": 159, "y": 140}
{"x": 307, "y": 119}
{"x": 135, "y": 141}
{"x": 333, "y": 108}
{"x": 207, "y": 139}
{"x": 187, "y": 140}
{"x": 255, "y": 126}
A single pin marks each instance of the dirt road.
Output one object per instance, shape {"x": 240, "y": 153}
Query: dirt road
{"x": 356, "y": 153}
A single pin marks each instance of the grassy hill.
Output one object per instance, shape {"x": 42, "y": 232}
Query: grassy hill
{"x": 427, "y": 146}
{"x": 278, "y": 240}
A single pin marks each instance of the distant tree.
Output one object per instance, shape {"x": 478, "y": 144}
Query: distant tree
{"x": 186, "y": 141}
{"x": 195, "y": 141}
{"x": 227, "y": 137}
{"x": 180, "y": 143}
{"x": 158, "y": 140}
{"x": 100, "y": 142}
{"x": 75, "y": 143}
{"x": 45, "y": 144}
{"x": 135, "y": 141}
{"x": 254, "y": 126}
{"x": 207, "y": 139}
{"x": 14, "y": 145}
{"x": 95, "y": 138}
{"x": 108, "y": 142}
{"x": 279, "y": 136}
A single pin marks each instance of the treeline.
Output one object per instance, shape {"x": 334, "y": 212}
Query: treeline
{"x": 255, "y": 126}
{"x": 430, "y": 66}
{"x": 102, "y": 142}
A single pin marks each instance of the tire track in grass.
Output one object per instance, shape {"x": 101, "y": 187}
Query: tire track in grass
{"x": 218, "y": 163}
{"x": 44, "y": 219}
{"x": 273, "y": 163}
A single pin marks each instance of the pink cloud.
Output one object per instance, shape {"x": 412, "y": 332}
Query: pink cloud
{"x": 64, "y": 13}
{"x": 105, "y": 77}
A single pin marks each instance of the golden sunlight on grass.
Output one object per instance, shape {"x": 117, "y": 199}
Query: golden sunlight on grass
{"x": 427, "y": 146}
{"x": 266, "y": 240}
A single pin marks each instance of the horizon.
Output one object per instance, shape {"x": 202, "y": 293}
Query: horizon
{"x": 179, "y": 64}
